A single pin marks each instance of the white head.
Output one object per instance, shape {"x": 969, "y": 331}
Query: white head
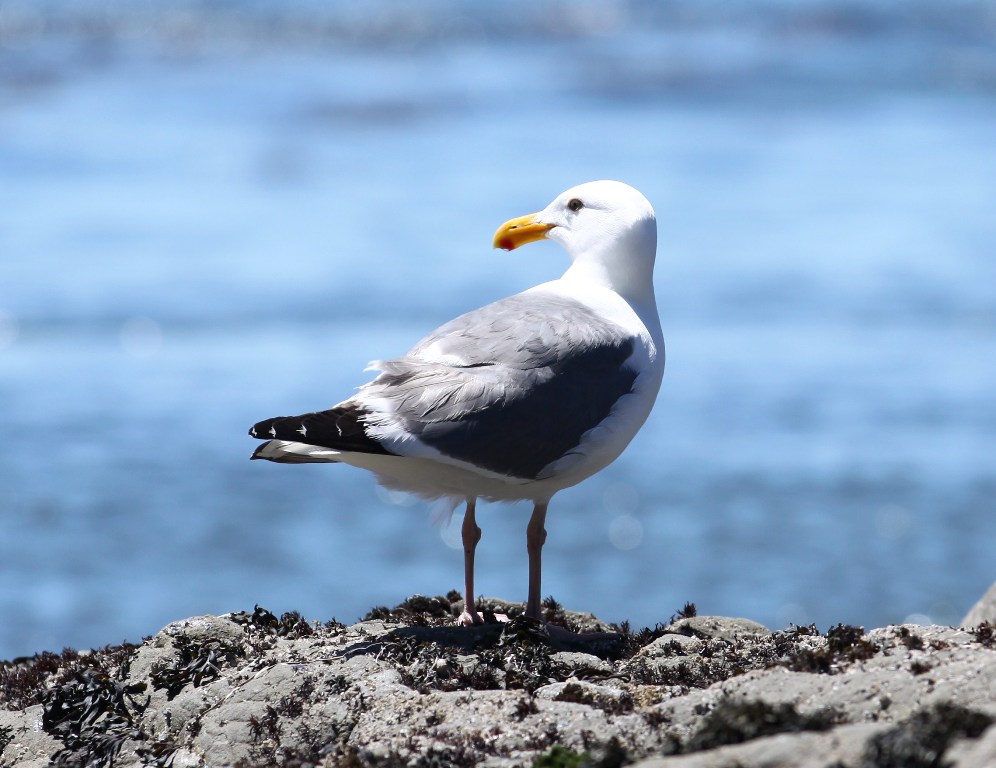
{"x": 607, "y": 228}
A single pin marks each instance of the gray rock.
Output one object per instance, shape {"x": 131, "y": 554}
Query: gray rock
{"x": 603, "y": 697}
{"x": 202, "y": 629}
{"x": 709, "y": 691}
{"x": 719, "y": 628}
{"x": 672, "y": 645}
{"x": 843, "y": 746}
{"x": 984, "y": 610}
{"x": 27, "y": 745}
{"x": 980, "y": 752}
{"x": 262, "y": 712}
{"x": 572, "y": 664}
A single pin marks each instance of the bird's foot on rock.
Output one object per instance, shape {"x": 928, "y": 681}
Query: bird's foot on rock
{"x": 472, "y": 618}
{"x": 469, "y": 619}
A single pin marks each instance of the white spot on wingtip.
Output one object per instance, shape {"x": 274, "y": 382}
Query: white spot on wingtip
{"x": 273, "y": 431}
{"x": 253, "y": 432}
{"x": 303, "y": 430}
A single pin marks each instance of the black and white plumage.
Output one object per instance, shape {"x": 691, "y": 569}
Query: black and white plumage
{"x": 518, "y": 399}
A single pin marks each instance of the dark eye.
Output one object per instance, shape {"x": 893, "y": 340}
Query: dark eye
{"x": 575, "y": 205}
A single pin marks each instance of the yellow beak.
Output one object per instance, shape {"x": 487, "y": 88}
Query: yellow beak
{"x": 520, "y": 231}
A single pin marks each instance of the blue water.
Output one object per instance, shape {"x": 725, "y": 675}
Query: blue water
{"x": 212, "y": 213}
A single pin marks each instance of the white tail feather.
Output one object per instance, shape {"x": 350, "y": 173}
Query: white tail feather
{"x": 288, "y": 452}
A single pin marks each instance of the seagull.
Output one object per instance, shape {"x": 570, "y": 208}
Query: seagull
{"x": 521, "y": 398}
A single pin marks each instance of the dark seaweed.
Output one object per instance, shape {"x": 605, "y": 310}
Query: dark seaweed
{"x": 197, "y": 663}
{"x": 734, "y": 722}
{"x": 922, "y": 740}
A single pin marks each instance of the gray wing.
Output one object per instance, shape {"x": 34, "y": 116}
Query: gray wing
{"x": 523, "y": 379}
{"x": 525, "y": 331}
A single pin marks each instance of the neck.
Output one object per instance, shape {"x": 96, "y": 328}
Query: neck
{"x": 636, "y": 286}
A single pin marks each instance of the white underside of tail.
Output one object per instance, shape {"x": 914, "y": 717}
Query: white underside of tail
{"x": 423, "y": 477}
{"x": 286, "y": 450}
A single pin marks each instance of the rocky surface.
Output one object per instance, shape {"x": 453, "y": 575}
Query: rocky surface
{"x": 406, "y": 687}
{"x": 984, "y": 610}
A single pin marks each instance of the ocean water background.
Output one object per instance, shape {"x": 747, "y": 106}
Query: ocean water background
{"x": 214, "y": 212}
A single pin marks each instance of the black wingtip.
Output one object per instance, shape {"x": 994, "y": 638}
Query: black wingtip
{"x": 274, "y": 428}
{"x": 341, "y": 428}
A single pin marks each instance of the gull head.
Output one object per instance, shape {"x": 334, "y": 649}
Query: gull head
{"x": 607, "y": 228}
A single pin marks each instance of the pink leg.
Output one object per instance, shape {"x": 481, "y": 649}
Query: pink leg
{"x": 535, "y": 538}
{"x": 471, "y": 535}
